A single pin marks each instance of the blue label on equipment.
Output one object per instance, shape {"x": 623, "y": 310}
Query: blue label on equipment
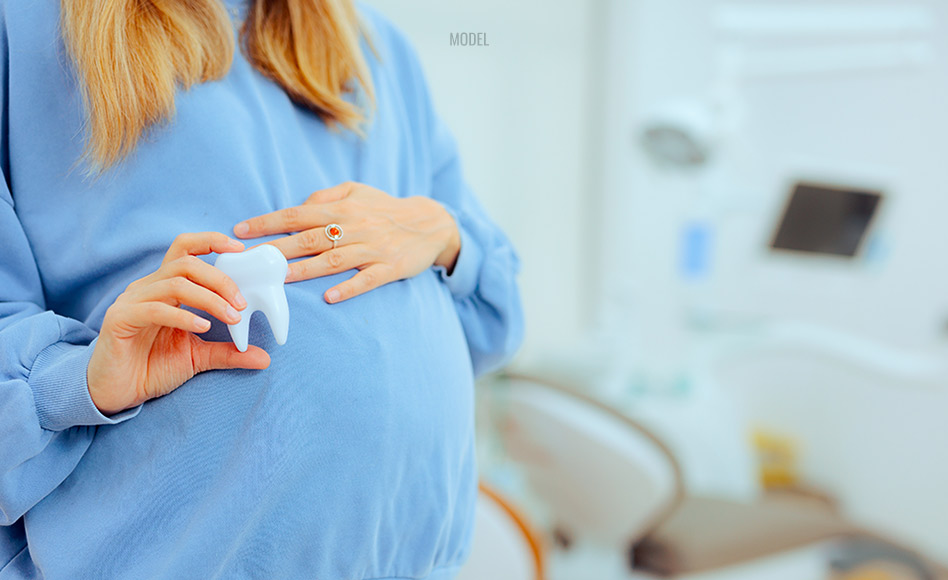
{"x": 696, "y": 251}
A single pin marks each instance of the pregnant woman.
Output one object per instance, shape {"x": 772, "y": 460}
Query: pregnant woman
{"x": 138, "y": 140}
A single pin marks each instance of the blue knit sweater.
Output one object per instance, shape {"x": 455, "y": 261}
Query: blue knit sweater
{"x": 352, "y": 456}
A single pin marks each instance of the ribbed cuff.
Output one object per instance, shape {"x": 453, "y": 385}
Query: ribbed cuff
{"x": 60, "y": 390}
{"x": 463, "y": 280}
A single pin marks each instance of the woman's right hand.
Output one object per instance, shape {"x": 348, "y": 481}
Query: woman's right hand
{"x": 147, "y": 346}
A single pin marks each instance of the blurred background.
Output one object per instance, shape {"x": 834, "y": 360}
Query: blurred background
{"x": 729, "y": 216}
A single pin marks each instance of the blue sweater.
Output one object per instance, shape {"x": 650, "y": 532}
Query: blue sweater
{"x": 352, "y": 456}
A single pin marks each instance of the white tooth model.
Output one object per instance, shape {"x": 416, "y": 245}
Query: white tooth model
{"x": 259, "y": 273}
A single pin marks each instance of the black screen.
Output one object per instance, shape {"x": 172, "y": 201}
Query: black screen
{"x": 826, "y": 220}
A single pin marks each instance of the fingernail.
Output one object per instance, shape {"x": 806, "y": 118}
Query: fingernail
{"x": 201, "y": 324}
{"x": 241, "y": 228}
{"x": 240, "y": 300}
{"x": 332, "y": 295}
{"x": 232, "y": 314}
{"x": 235, "y": 244}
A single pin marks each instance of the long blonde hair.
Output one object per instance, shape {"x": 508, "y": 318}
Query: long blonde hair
{"x": 132, "y": 55}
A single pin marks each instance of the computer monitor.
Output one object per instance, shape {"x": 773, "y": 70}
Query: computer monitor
{"x": 826, "y": 219}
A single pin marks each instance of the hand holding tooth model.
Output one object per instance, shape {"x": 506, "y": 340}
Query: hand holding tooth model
{"x": 148, "y": 347}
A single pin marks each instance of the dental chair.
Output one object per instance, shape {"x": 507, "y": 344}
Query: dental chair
{"x": 615, "y": 506}
{"x": 504, "y": 546}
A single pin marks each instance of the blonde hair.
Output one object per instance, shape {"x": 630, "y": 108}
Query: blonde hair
{"x": 132, "y": 55}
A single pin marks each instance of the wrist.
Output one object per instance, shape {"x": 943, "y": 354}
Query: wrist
{"x": 94, "y": 382}
{"x": 59, "y": 381}
{"x": 452, "y": 247}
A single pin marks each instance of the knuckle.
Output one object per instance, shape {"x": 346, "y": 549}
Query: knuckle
{"x": 182, "y": 240}
{"x": 201, "y": 359}
{"x": 166, "y": 269}
{"x": 291, "y": 215}
{"x": 220, "y": 306}
{"x": 189, "y": 264}
{"x": 301, "y": 269}
{"x": 310, "y": 239}
{"x": 377, "y": 255}
{"x": 177, "y": 284}
{"x": 389, "y": 272}
{"x": 398, "y": 264}
{"x": 369, "y": 278}
{"x": 334, "y": 257}
{"x": 343, "y": 208}
{"x": 111, "y": 313}
{"x": 114, "y": 319}
{"x": 151, "y": 309}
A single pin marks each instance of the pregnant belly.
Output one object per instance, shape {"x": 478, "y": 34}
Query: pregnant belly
{"x": 374, "y": 379}
{"x": 367, "y": 409}
{"x": 386, "y": 374}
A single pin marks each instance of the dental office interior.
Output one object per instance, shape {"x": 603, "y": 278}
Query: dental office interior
{"x": 730, "y": 219}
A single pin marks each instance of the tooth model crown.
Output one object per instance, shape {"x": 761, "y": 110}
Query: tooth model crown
{"x": 259, "y": 273}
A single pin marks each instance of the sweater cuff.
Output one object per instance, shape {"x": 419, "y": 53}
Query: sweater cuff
{"x": 463, "y": 280}
{"x": 60, "y": 390}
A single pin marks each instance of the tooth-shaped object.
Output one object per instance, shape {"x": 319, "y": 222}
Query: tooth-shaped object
{"x": 259, "y": 273}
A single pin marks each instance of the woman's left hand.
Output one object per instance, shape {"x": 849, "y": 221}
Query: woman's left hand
{"x": 386, "y": 238}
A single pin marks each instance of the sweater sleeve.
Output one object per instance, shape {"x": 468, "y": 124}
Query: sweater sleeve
{"x": 484, "y": 279}
{"x": 46, "y": 413}
{"x": 483, "y": 282}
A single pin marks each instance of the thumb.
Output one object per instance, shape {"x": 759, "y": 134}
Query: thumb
{"x": 210, "y": 356}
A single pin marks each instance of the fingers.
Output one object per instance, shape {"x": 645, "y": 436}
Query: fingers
{"x": 177, "y": 291}
{"x": 331, "y": 194}
{"x": 364, "y": 281}
{"x": 224, "y": 355}
{"x": 138, "y": 315}
{"x": 200, "y": 272}
{"x": 195, "y": 244}
{"x": 307, "y": 243}
{"x": 291, "y": 219}
{"x": 331, "y": 261}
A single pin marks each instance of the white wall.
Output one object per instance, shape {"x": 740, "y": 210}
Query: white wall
{"x": 520, "y": 109}
{"x": 880, "y": 443}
